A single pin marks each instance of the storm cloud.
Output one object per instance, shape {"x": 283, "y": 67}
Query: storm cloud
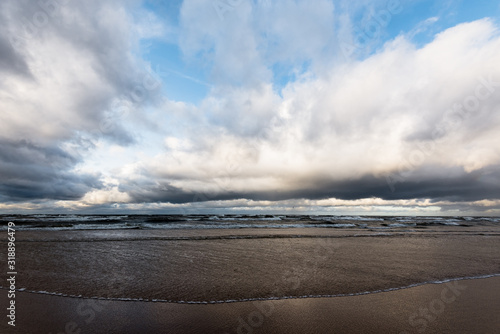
{"x": 29, "y": 171}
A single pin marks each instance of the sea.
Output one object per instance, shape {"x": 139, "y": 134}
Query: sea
{"x": 233, "y": 221}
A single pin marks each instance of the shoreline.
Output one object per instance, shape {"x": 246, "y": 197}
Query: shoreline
{"x": 244, "y": 300}
{"x": 468, "y": 305}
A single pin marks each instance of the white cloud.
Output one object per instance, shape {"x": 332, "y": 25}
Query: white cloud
{"x": 112, "y": 195}
{"x": 362, "y": 118}
{"x": 243, "y": 43}
{"x": 80, "y": 58}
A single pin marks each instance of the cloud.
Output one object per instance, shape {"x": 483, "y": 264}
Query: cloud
{"x": 10, "y": 60}
{"x": 288, "y": 119}
{"x": 32, "y": 172}
{"x": 404, "y": 123}
{"x": 71, "y": 76}
{"x": 242, "y": 40}
{"x": 457, "y": 186}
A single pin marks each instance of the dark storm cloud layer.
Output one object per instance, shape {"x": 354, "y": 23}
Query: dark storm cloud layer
{"x": 459, "y": 186}
{"x": 29, "y": 171}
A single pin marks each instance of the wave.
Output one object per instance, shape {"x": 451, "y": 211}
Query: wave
{"x": 54, "y": 222}
{"x": 239, "y": 300}
{"x": 370, "y": 234}
{"x": 216, "y": 237}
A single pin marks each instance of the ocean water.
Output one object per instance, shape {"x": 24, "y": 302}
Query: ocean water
{"x": 206, "y": 259}
{"x": 116, "y": 222}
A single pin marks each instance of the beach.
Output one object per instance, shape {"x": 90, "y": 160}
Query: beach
{"x": 475, "y": 309}
{"x": 249, "y": 166}
{"x": 436, "y": 279}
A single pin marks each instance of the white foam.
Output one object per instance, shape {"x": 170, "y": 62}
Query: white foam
{"x": 342, "y": 225}
{"x": 401, "y": 225}
{"x": 361, "y": 218}
{"x": 222, "y": 301}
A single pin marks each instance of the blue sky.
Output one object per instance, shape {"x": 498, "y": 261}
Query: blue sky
{"x": 188, "y": 79}
{"x": 336, "y": 107}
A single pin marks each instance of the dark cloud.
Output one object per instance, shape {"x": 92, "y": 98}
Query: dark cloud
{"x": 10, "y": 60}
{"x": 457, "y": 187}
{"x": 29, "y": 171}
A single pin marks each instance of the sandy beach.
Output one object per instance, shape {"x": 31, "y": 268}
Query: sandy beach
{"x": 313, "y": 280}
{"x": 249, "y": 166}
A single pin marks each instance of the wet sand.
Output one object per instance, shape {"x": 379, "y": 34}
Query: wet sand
{"x": 249, "y": 281}
{"x": 237, "y": 269}
{"x": 466, "y": 306}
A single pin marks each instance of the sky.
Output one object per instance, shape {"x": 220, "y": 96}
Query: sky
{"x": 387, "y": 107}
